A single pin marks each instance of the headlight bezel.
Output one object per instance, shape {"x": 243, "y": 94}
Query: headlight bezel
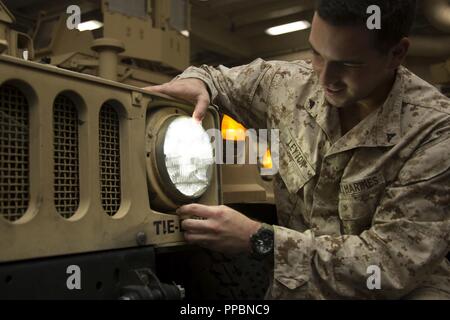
{"x": 160, "y": 196}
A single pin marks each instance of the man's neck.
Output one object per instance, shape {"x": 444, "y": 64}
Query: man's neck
{"x": 351, "y": 116}
{"x": 378, "y": 97}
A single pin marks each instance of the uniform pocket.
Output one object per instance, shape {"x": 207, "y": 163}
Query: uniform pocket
{"x": 292, "y": 283}
{"x": 358, "y": 201}
{"x": 286, "y": 287}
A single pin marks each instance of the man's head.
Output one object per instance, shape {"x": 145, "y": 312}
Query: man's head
{"x": 353, "y": 62}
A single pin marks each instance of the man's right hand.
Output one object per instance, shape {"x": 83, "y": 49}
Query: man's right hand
{"x": 191, "y": 90}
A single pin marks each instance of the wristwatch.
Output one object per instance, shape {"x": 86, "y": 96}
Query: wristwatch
{"x": 262, "y": 242}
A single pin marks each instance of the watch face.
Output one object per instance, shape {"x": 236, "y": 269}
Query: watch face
{"x": 263, "y": 244}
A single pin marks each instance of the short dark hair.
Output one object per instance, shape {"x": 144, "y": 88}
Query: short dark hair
{"x": 397, "y": 17}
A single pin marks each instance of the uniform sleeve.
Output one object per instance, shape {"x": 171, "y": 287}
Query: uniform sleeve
{"x": 408, "y": 240}
{"x": 239, "y": 91}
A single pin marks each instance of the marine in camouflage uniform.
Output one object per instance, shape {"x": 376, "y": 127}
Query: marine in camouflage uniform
{"x": 377, "y": 195}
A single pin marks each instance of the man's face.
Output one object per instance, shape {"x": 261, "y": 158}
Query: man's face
{"x": 349, "y": 67}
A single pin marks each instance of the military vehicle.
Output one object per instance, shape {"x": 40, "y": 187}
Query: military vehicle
{"x": 87, "y": 194}
{"x": 88, "y": 190}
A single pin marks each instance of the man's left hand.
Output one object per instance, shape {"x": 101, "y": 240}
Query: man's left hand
{"x": 223, "y": 229}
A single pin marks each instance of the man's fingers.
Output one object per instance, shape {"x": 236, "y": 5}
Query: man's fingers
{"x": 157, "y": 89}
{"x": 169, "y": 90}
{"x": 198, "y": 117}
{"x": 196, "y": 210}
{"x": 195, "y": 226}
{"x": 198, "y": 239}
{"x": 189, "y": 90}
{"x": 200, "y": 108}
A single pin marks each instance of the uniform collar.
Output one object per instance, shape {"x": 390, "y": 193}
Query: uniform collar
{"x": 380, "y": 129}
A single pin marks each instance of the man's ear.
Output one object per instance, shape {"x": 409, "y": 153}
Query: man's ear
{"x": 398, "y": 53}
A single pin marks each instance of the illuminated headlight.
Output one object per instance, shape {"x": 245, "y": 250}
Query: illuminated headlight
{"x": 185, "y": 156}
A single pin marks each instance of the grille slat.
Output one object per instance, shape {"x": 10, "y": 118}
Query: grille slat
{"x": 66, "y": 157}
{"x": 109, "y": 137}
{"x": 14, "y": 153}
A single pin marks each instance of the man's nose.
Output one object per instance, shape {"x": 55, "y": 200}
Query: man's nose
{"x": 328, "y": 75}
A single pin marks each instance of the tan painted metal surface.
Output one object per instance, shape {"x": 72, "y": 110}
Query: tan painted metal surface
{"x": 42, "y": 231}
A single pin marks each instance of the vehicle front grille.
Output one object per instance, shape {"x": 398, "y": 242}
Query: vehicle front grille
{"x": 110, "y": 159}
{"x": 66, "y": 156}
{"x": 14, "y": 153}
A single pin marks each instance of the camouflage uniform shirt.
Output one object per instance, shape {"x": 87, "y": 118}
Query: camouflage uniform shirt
{"x": 377, "y": 196}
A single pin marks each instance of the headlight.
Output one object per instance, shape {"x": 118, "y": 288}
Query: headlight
{"x": 180, "y": 157}
{"x": 184, "y": 157}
